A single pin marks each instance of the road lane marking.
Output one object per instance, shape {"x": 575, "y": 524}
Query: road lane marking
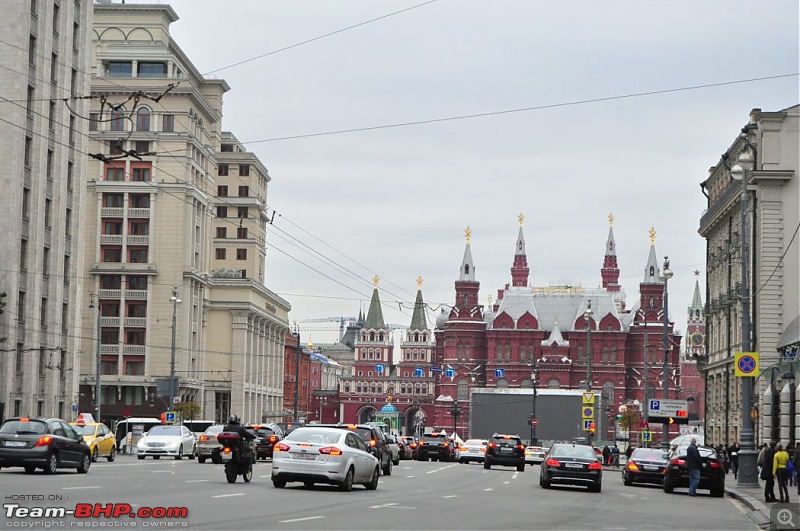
{"x": 265, "y": 476}
{"x": 506, "y": 482}
{"x": 307, "y": 518}
{"x": 431, "y": 471}
{"x": 514, "y": 475}
{"x": 79, "y": 488}
{"x": 409, "y": 476}
{"x": 229, "y": 495}
{"x": 196, "y": 480}
{"x": 451, "y": 496}
{"x": 162, "y": 472}
{"x": 487, "y": 490}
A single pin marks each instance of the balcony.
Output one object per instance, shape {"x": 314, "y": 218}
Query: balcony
{"x": 110, "y": 293}
{"x": 138, "y": 240}
{"x": 109, "y": 349}
{"x": 134, "y": 349}
{"x": 110, "y": 239}
{"x": 109, "y": 321}
{"x": 111, "y": 212}
{"x": 139, "y": 322}
{"x": 135, "y": 294}
{"x": 138, "y": 212}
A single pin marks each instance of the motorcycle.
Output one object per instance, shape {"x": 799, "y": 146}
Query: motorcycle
{"x": 232, "y": 456}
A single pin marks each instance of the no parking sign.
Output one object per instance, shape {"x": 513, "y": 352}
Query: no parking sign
{"x": 746, "y": 364}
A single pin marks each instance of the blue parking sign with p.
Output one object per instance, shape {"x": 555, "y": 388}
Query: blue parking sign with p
{"x": 655, "y": 405}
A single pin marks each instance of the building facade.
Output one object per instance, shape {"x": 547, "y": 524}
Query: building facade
{"x": 771, "y": 223}
{"x": 43, "y": 146}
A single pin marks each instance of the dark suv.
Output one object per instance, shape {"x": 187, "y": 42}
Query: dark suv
{"x": 434, "y": 446}
{"x": 267, "y": 436}
{"x": 505, "y": 450}
{"x": 375, "y": 439}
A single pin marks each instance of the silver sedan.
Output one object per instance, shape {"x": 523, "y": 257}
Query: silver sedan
{"x": 334, "y": 456}
{"x": 169, "y": 441}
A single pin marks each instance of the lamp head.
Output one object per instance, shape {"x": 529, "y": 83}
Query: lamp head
{"x": 746, "y": 159}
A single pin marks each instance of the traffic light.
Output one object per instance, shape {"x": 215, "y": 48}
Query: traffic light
{"x": 163, "y": 418}
{"x": 591, "y": 428}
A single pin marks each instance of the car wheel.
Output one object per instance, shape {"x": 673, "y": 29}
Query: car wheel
{"x": 95, "y": 454}
{"x": 112, "y": 455}
{"x": 544, "y": 484}
{"x": 141, "y": 457}
{"x": 85, "y": 463}
{"x": 347, "y": 484}
{"x": 595, "y": 488}
{"x": 668, "y": 486}
{"x": 626, "y": 480}
{"x": 396, "y": 462}
{"x": 30, "y": 469}
{"x": 718, "y": 491}
{"x": 521, "y": 467}
{"x": 52, "y": 464}
{"x": 180, "y": 453}
{"x": 278, "y": 483}
{"x": 487, "y": 464}
{"x": 460, "y": 461}
{"x": 387, "y": 470}
{"x": 373, "y": 484}
{"x": 201, "y": 459}
{"x": 308, "y": 484}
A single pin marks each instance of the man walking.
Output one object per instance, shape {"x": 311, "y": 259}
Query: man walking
{"x": 766, "y": 473}
{"x": 694, "y": 464}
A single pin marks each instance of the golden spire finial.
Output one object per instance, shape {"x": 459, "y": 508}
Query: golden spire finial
{"x": 468, "y": 234}
{"x": 489, "y": 298}
{"x": 419, "y": 282}
{"x": 521, "y": 220}
{"x": 611, "y": 220}
{"x": 652, "y": 236}
{"x": 310, "y": 345}
{"x": 375, "y": 280}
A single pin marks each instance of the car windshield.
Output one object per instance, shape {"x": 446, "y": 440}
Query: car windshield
{"x": 535, "y": 448}
{"x": 434, "y": 437}
{"x": 647, "y": 453}
{"x": 364, "y": 433}
{"x": 214, "y": 429}
{"x": 311, "y": 435}
{"x": 165, "y": 430}
{"x": 21, "y": 427}
{"x": 583, "y": 452}
{"x": 505, "y": 439}
{"x": 704, "y": 452}
{"x": 85, "y": 429}
{"x": 475, "y": 442}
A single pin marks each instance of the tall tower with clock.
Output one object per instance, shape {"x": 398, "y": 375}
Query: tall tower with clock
{"x": 696, "y": 324}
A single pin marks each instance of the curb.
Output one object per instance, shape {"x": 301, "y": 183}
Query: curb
{"x": 757, "y": 513}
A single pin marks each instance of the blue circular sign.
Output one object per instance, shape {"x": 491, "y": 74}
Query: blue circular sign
{"x": 747, "y": 364}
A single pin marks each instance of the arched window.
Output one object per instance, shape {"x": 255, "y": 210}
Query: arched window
{"x": 652, "y": 302}
{"x": 118, "y": 120}
{"x": 143, "y": 119}
{"x": 466, "y": 269}
{"x": 526, "y": 384}
{"x": 502, "y": 382}
{"x": 463, "y": 390}
{"x": 553, "y": 384}
{"x": 608, "y": 392}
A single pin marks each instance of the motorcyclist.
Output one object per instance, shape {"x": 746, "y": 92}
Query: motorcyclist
{"x": 235, "y": 425}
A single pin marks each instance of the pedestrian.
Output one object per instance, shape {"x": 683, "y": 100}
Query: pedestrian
{"x": 733, "y": 455}
{"x": 694, "y": 464}
{"x": 615, "y": 456}
{"x": 629, "y": 451}
{"x": 760, "y": 459}
{"x": 606, "y": 455}
{"x": 796, "y": 465}
{"x": 766, "y": 473}
{"x": 723, "y": 454}
{"x": 779, "y": 470}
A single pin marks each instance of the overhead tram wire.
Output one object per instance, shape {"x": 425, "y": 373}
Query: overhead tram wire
{"x": 522, "y": 109}
{"x": 320, "y": 37}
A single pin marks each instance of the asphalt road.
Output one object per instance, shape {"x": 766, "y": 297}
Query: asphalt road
{"x": 418, "y": 495}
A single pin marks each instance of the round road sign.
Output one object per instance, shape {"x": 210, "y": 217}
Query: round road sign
{"x": 747, "y": 364}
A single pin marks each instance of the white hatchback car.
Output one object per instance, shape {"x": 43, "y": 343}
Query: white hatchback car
{"x": 534, "y": 455}
{"x": 472, "y": 450}
{"x": 170, "y": 441}
{"x": 324, "y": 455}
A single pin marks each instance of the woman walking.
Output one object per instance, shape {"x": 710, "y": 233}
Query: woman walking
{"x": 781, "y": 473}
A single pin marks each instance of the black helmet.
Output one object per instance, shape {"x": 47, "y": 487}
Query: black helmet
{"x": 234, "y": 419}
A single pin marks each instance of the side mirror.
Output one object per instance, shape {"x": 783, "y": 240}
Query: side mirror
{"x": 664, "y": 456}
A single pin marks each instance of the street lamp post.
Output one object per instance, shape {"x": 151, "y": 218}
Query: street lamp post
{"x": 747, "y": 455}
{"x": 456, "y": 412}
{"x": 296, "y": 335}
{"x": 588, "y": 315}
{"x": 534, "y": 382}
{"x": 98, "y": 389}
{"x": 666, "y": 274}
{"x": 175, "y": 301}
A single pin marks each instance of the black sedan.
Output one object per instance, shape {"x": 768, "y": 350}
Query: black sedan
{"x": 267, "y": 436}
{"x": 712, "y": 475}
{"x": 645, "y": 465}
{"x": 48, "y": 444}
{"x": 571, "y": 464}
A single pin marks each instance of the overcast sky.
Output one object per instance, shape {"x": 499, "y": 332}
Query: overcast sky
{"x": 583, "y": 140}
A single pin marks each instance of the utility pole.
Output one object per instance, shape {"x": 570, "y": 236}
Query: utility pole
{"x": 98, "y": 360}
{"x": 172, "y": 390}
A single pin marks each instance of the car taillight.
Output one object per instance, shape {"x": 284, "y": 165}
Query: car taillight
{"x": 715, "y": 464}
{"x": 44, "y": 441}
{"x": 595, "y": 466}
{"x": 492, "y": 445}
{"x": 330, "y": 450}
{"x": 421, "y": 443}
{"x": 521, "y": 447}
{"x": 446, "y": 444}
{"x": 414, "y": 445}
{"x": 632, "y": 466}
{"x": 372, "y": 443}
{"x": 203, "y": 438}
{"x": 281, "y": 448}
{"x": 483, "y": 450}
{"x": 677, "y": 461}
{"x": 553, "y": 462}
{"x": 273, "y": 439}
{"x": 227, "y": 450}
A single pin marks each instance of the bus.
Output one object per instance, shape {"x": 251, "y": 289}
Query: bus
{"x": 199, "y": 426}
{"x": 136, "y": 427}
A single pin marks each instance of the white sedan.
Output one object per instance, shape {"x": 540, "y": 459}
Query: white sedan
{"x": 172, "y": 441}
{"x": 335, "y": 456}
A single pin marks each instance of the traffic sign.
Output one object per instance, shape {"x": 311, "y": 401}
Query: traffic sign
{"x": 662, "y": 410}
{"x": 647, "y": 436}
{"x": 587, "y": 425}
{"x": 534, "y": 422}
{"x": 169, "y": 417}
{"x": 588, "y": 398}
{"x": 499, "y": 373}
{"x": 746, "y": 364}
{"x": 587, "y": 412}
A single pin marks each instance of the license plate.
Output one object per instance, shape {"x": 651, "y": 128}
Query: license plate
{"x": 16, "y": 444}
{"x": 226, "y": 457}
{"x": 505, "y": 450}
{"x": 307, "y": 457}
{"x": 650, "y": 467}
{"x": 573, "y": 465}
{"x": 474, "y": 451}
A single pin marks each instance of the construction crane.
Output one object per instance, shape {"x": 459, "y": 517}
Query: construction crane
{"x": 343, "y": 321}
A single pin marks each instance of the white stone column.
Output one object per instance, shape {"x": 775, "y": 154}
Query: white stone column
{"x": 786, "y": 396}
{"x": 766, "y": 414}
{"x": 238, "y": 352}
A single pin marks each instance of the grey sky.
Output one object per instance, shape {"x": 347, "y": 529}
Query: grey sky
{"x": 395, "y": 201}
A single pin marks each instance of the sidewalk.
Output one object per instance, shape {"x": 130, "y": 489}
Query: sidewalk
{"x": 753, "y": 499}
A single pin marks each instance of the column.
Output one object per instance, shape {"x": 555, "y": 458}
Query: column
{"x": 785, "y": 398}
{"x": 766, "y": 414}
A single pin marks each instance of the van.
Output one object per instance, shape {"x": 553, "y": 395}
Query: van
{"x": 136, "y": 427}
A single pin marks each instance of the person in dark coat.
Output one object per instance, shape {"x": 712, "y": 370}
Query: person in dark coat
{"x": 694, "y": 463}
{"x": 733, "y": 455}
{"x": 629, "y": 452}
{"x": 606, "y": 455}
{"x": 766, "y": 473}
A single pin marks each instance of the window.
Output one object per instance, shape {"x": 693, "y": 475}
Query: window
{"x": 46, "y": 262}
{"x": 71, "y": 130}
{"x": 32, "y": 51}
{"x": 222, "y": 212}
{"x": 241, "y": 212}
{"x": 118, "y": 120}
{"x": 110, "y": 281}
{"x": 73, "y": 82}
{"x": 136, "y": 309}
{"x": 134, "y": 336}
{"x": 69, "y": 176}
{"x": 56, "y": 16}
{"x": 241, "y": 254}
{"x": 94, "y": 121}
{"x": 112, "y": 200}
{"x": 222, "y": 170}
{"x": 111, "y": 254}
{"x": 29, "y": 101}
{"x": 241, "y": 233}
{"x": 142, "y": 146}
{"x": 26, "y": 203}
{"x": 220, "y": 253}
{"x": 51, "y": 116}
{"x": 137, "y": 255}
{"x": 137, "y": 282}
{"x": 41, "y": 363}
{"x": 28, "y": 149}
{"x": 244, "y": 191}
{"x": 108, "y": 365}
{"x": 21, "y": 307}
{"x": 147, "y": 69}
{"x": 141, "y": 174}
{"x": 115, "y": 174}
{"x": 244, "y": 170}
{"x": 49, "y": 165}
{"x": 139, "y": 200}
{"x": 168, "y": 123}
{"x": 48, "y": 218}
{"x": 143, "y": 119}
{"x": 54, "y": 68}
{"x": 67, "y": 273}
{"x": 222, "y": 191}
{"x": 120, "y": 69}
{"x": 68, "y": 223}
{"x": 109, "y": 308}
{"x": 134, "y": 366}
{"x": 116, "y": 147}
{"x": 139, "y": 228}
{"x": 222, "y": 232}
{"x": 43, "y": 313}
{"x": 112, "y": 227}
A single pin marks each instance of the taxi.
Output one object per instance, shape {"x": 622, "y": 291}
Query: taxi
{"x": 100, "y": 439}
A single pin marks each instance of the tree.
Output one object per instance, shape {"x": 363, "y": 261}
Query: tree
{"x": 629, "y": 419}
{"x": 188, "y": 410}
